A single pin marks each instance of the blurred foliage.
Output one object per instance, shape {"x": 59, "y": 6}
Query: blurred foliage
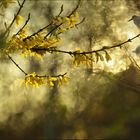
{"x": 96, "y": 114}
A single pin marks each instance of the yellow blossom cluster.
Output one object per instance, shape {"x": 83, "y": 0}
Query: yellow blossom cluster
{"x": 82, "y": 59}
{"x": 25, "y": 44}
{"x": 67, "y": 22}
{"x": 72, "y": 20}
{"x": 34, "y": 80}
{"x": 88, "y": 59}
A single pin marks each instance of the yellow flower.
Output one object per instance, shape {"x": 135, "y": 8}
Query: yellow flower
{"x": 62, "y": 30}
{"x": 62, "y": 80}
{"x": 82, "y": 59}
{"x": 72, "y": 20}
{"x": 34, "y": 80}
{"x": 79, "y": 59}
{"x": 51, "y": 80}
{"x": 19, "y": 19}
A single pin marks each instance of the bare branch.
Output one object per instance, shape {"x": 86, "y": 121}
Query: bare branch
{"x": 52, "y": 30}
{"x": 75, "y": 9}
{"x": 16, "y": 64}
{"x": 60, "y": 75}
{"x": 18, "y": 3}
{"x": 81, "y": 21}
{"x": 60, "y": 11}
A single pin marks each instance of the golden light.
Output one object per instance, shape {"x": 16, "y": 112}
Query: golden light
{"x": 110, "y": 63}
{"x": 131, "y": 34}
{"x": 122, "y": 7}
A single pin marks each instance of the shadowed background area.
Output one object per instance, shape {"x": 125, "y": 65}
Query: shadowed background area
{"x": 101, "y": 102}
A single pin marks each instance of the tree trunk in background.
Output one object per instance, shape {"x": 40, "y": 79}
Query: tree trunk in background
{"x": 89, "y": 70}
{"x": 49, "y": 125}
{"x": 53, "y": 68}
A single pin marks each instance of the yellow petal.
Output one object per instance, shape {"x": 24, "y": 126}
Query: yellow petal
{"x": 19, "y": 19}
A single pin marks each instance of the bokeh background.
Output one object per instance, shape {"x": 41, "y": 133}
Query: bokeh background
{"x": 101, "y": 102}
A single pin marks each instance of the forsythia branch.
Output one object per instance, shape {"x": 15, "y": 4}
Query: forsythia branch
{"x": 56, "y": 27}
{"x": 22, "y": 41}
{"x": 104, "y": 48}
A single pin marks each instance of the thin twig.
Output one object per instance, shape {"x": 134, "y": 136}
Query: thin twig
{"x": 60, "y": 11}
{"x": 52, "y": 30}
{"x": 75, "y": 9}
{"x": 16, "y": 64}
{"x": 60, "y": 75}
{"x": 18, "y": 3}
{"x": 62, "y": 23}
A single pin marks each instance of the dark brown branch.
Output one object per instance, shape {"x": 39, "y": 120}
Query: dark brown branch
{"x": 18, "y": 3}
{"x": 60, "y": 11}
{"x": 88, "y": 52}
{"x": 80, "y": 22}
{"x": 60, "y": 75}
{"x": 75, "y": 9}
{"x": 16, "y": 64}
{"x": 26, "y": 22}
{"x": 52, "y": 30}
